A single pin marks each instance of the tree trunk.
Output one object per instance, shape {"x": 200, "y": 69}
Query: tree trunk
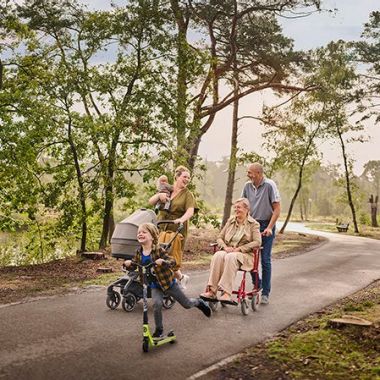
{"x": 109, "y": 196}
{"x": 232, "y": 163}
{"x": 181, "y": 96}
{"x": 348, "y": 183}
{"x": 302, "y": 208}
{"x": 300, "y": 174}
{"x": 373, "y": 202}
{"x": 299, "y": 185}
{"x": 82, "y": 195}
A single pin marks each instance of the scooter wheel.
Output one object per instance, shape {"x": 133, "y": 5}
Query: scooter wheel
{"x": 113, "y": 300}
{"x": 129, "y": 302}
{"x": 168, "y": 302}
{"x": 145, "y": 345}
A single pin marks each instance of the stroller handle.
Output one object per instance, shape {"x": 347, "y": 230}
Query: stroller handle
{"x": 165, "y": 221}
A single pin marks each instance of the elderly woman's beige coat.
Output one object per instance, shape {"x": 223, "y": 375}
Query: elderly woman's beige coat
{"x": 251, "y": 238}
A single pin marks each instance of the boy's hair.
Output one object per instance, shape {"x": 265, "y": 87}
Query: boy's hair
{"x": 152, "y": 229}
{"x": 179, "y": 170}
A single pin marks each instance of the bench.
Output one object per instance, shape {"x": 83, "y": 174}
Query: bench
{"x": 343, "y": 227}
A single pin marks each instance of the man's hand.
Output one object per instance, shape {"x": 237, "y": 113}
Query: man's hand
{"x": 267, "y": 232}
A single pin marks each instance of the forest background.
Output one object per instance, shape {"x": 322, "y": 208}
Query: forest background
{"x": 82, "y": 140}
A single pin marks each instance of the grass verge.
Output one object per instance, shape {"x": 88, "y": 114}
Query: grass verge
{"x": 311, "y": 349}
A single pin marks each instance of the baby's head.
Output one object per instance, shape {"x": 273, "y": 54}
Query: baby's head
{"x": 162, "y": 180}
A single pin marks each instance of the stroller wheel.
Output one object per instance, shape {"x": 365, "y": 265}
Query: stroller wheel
{"x": 129, "y": 302}
{"x": 113, "y": 300}
{"x": 168, "y": 302}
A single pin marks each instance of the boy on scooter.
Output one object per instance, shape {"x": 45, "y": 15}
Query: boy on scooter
{"x": 164, "y": 281}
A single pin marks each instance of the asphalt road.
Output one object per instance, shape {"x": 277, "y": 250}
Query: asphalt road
{"x": 77, "y": 337}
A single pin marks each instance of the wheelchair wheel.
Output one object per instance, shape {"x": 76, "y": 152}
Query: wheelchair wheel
{"x": 129, "y": 302}
{"x": 113, "y": 300}
{"x": 255, "y": 302}
{"x": 168, "y": 302}
{"x": 244, "y": 307}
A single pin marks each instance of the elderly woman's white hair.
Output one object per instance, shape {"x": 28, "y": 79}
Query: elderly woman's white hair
{"x": 245, "y": 202}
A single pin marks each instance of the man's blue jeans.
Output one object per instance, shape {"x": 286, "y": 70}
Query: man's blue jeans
{"x": 266, "y": 258}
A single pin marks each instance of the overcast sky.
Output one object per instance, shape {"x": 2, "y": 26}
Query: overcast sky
{"x": 310, "y": 32}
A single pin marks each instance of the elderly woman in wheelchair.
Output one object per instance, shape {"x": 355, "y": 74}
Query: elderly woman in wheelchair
{"x": 236, "y": 241}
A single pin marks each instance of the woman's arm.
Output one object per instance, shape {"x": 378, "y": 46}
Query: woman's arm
{"x": 220, "y": 240}
{"x": 186, "y": 216}
{"x": 159, "y": 197}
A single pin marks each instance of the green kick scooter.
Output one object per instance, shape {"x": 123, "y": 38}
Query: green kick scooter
{"x": 148, "y": 340}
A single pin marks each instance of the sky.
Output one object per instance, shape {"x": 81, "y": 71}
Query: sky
{"x": 309, "y": 32}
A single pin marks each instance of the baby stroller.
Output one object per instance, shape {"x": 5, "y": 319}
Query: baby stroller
{"x": 123, "y": 246}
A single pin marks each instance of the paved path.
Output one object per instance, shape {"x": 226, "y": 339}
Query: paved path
{"x": 77, "y": 337}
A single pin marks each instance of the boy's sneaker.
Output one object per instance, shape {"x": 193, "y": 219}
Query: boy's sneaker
{"x": 264, "y": 299}
{"x": 158, "y": 333}
{"x": 204, "y": 308}
{"x": 184, "y": 280}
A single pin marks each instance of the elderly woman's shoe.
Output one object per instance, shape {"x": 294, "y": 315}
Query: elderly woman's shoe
{"x": 226, "y": 299}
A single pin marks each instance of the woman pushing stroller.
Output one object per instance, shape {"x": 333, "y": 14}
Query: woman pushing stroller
{"x": 180, "y": 209}
{"x": 164, "y": 281}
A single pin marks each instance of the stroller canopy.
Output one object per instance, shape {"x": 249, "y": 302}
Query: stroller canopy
{"x": 124, "y": 242}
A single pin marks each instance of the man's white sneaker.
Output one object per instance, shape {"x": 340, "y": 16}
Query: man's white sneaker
{"x": 184, "y": 280}
{"x": 264, "y": 300}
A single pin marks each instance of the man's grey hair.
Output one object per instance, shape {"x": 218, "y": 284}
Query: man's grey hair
{"x": 257, "y": 167}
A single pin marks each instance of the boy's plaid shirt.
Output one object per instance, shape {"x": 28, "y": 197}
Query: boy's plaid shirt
{"x": 164, "y": 273}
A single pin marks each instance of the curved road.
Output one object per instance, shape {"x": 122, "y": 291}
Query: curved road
{"x": 77, "y": 337}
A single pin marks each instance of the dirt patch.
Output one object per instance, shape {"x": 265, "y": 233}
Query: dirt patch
{"x": 310, "y": 349}
{"x": 20, "y": 283}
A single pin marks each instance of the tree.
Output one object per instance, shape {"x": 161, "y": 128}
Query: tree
{"x": 99, "y": 119}
{"x": 229, "y": 26}
{"x": 292, "y": 136}
{"x": 336, "y": 78}
{"x": 368, "y": 52}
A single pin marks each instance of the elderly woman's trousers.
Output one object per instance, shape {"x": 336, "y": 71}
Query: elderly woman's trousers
{"x": 223, "y": 269}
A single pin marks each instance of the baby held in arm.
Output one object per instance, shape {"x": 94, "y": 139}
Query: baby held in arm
{"x": 163, "y": 187}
